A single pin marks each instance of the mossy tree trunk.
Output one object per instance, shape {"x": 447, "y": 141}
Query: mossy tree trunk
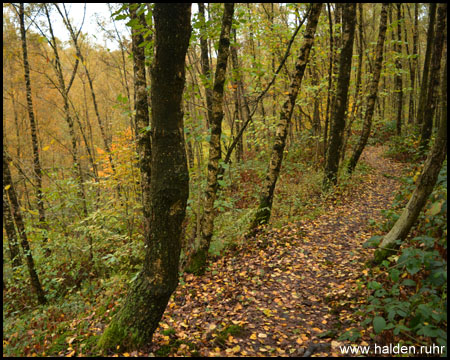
{"x": 199, "y": 256}
{"x": 425, "y": 185}
{"x": 266, "y": 198}
{"x": 8, "y": 188}
{"x": 373, "y": 91}
{"x": 339, "y": 106}
{"x": 133, "y": 326}
{"x": 141, "y": 119}
{"x": 430, "y": 105}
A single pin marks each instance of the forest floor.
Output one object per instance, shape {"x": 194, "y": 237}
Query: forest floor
{"x": 286, "y": 292}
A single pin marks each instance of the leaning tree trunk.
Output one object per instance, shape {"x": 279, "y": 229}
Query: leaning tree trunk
{"x": 197, "y": 262}
{"x": 373, "y": 90}
{"x": 425, "y": 185}
{"x": 430, "y": 105}
{"x": 265, "y": 202}
{"x": 133, "y": 326}
{"x": 15, "y": 210}
{"x": 340, "y": 104}
{"x": 34, "y": 140}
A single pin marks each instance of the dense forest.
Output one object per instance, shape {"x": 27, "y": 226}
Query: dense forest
{"x": 238, "y": 179}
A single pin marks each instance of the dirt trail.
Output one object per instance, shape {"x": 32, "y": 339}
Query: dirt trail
{"x": 274, "y": 295}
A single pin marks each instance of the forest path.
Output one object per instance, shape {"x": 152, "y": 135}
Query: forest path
{"x": 274, "y": 294}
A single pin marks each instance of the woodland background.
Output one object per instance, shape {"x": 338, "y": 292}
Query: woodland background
{"x": 73, "y": 163}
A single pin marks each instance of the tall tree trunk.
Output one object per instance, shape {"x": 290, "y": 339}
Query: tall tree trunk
{"x": 34, "y": 140}
{"x": 398, "y": 74}
{"x": 8, "y": 187}
{"x": 340, "y": 104}
{"x": 240, "y": 99}
{"x": 425, "y": 185}
{"x": 142, "y": 119}
{"x": 266, "y": 198}
{"x": 373, "y": 90}
{"x": 412, "y": 103}
{"x": 356, "y": 108}
{"x": 198, "y": 261}
{"x": 330, "y": 82}
{"x": 421, "y": 111}
{"x": 430, "y": 105}
{"x": 204, "y": 56}
{"x": 133, "y": 326}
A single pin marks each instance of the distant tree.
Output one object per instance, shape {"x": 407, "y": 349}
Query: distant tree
{"x": 198, "y": 259}
{"x": 133, "y": 326}
{"x": 339, "y": 106}
{"x": 373, "y": 90}
{"x": 266, "y": 198}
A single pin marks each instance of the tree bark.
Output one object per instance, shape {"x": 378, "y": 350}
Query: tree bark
{"x": 266, "y": 198}
{"x": 134, "y": 324}
{"x": 15, "y": 210}
{"x": 340, "y": 104}
{"x": 142, "y": 119}
{"x": 198, "y": 260}
{"x": 373, "y": 90}
{"x": 425, "y": 185}
{"x": 430, "y": 105}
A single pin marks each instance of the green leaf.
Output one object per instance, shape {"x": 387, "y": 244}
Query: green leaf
{"x": 379, "y": 324}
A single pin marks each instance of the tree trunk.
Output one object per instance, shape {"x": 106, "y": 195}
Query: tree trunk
{"x": 373, "y": 90}
{"x": 430, "y": 105}
{"x": 356, "y": 108}
{"x": 142, "y": 119}
{"x": 265, "y": 202}
{"x": 330, "y": 82}
{"x": 421, "y": 111}
{"x": 205, "y": 63}
{"x": 134, "y": 324}
{"x": 398, "y": 74}
{"x": 198, "y": 260}
{"x": 34, "y": 140}
{"x": 15, "y": 210}
{"x": 8, "y": 223}
{"x": 340, "y": 104}
{"x": 425, "y": 185}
